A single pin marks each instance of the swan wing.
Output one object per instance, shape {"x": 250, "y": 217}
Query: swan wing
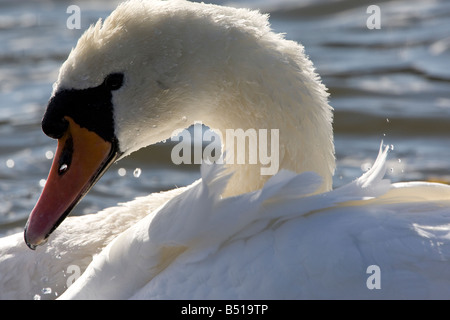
{"x": 197, "y": 240}
{"x": 382, "y": 246}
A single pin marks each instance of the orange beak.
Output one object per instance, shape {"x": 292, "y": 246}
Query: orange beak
{"x": 81, "y": 159}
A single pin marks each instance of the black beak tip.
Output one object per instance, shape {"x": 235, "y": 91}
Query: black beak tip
{"x": 31, "y": 245}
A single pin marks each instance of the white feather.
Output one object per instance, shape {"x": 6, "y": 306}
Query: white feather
{"x": 239, "y": 235}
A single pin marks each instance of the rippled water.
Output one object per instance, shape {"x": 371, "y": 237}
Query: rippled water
{"x": 391, "y": 84}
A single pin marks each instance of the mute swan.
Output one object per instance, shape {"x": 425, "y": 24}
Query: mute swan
{"x": 156, "y": 66}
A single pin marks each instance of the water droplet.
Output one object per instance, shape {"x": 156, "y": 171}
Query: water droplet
{"x": 184, "y": 118}
{"x": 10, "y": 163}
{"x": 122, "y": 172}
{"x": 399, "y": 160}
{"x": 366, "y": 166}
{"x": 63, "y": 168}
{"x": 137, "y": 172}
{"x": 46, "y": 290}
{"x": 49, "y": 154}
{"x": 37, "y": 297}
{"x": 42, "y": 182}
{"x": 392, "y": 147}
{"x": 387, "y": 120}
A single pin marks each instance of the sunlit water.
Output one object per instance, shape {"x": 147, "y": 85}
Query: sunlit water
{"x": 390, "y": 84}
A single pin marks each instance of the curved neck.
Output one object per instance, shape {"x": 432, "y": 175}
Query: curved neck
{"x": 229, "y": 71}
{"x": 280, "y": 117}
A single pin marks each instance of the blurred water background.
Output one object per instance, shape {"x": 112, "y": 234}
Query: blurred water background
{"x": 390, "y": 84}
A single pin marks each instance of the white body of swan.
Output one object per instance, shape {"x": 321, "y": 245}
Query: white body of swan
{"x": 234, "y": 234}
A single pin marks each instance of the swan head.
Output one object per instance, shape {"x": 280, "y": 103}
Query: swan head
{"x": 153, "y": 67}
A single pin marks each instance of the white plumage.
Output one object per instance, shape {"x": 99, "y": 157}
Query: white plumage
{"x": 282, "y": 237}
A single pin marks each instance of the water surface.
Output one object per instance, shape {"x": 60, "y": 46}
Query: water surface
{"x": 390, "y": 84}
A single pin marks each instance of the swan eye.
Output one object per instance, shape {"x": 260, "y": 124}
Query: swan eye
{"x": 114, "y": 81}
